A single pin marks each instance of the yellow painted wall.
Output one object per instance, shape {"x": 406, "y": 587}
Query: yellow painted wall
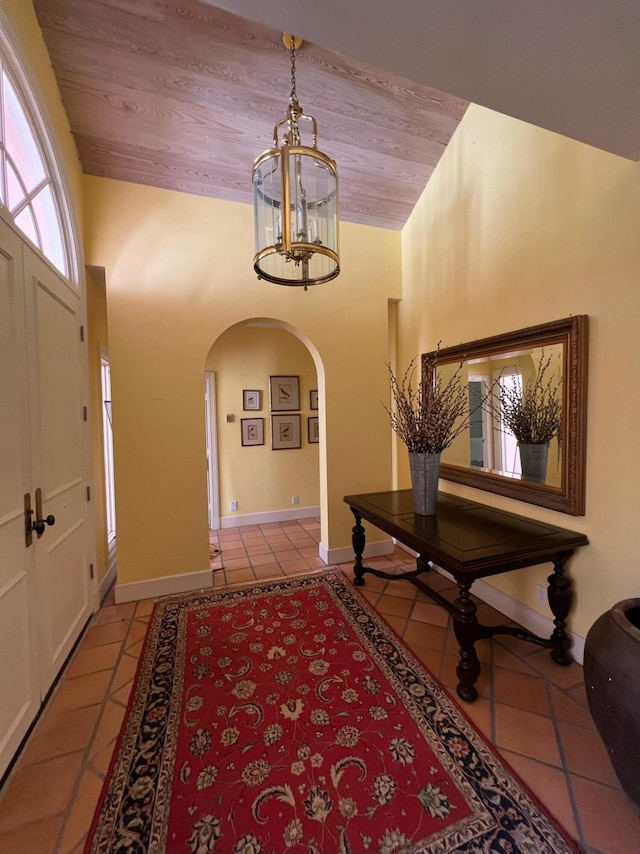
{"x": 519, "y": 226}
{"x": 257, "y": 477}
{"x": 179, "y": 273}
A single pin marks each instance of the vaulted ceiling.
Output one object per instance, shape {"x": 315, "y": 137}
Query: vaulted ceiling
{"x": 184, "y": 94}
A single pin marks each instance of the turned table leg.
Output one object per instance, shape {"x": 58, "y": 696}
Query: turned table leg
{"x": 465, "y": 624}
{"x": 358, "y": 540}
{"x": 560, "y": 597}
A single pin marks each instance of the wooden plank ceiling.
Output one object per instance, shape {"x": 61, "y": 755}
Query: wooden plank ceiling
{"x": 184, "y": 96}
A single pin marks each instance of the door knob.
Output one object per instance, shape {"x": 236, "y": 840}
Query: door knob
{"x": 39, "y": 525}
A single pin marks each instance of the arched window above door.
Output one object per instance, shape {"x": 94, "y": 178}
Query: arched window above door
{"x": 28, "y": 189}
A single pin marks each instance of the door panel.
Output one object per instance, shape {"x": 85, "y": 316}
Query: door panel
{"x": 18, "y": 641}
{"x": 62, "y": 594}
{"x": 18, "y": 669}
{"x": 56, "y": 356}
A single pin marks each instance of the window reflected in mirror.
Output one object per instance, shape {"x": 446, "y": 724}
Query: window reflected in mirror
{"x": 489, "y": 445}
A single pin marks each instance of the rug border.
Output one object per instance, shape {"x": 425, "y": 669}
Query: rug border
{"x": 139, "y": 664}
{"x": 318, "y": 574}
{"x": 490, "y": 745}
{"x": 121, "y": 734}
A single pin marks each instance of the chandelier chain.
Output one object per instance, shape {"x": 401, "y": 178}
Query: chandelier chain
{"x": 294, "y": 94}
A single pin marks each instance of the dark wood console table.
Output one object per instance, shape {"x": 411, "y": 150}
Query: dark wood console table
{"x": 471, "y": 541}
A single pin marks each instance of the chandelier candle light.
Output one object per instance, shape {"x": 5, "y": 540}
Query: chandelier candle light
{"x": 295, "y": 192}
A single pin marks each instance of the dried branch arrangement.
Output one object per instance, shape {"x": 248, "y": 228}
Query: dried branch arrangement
{"x": 533, "y": 412}
{"x": 428, "y": 416}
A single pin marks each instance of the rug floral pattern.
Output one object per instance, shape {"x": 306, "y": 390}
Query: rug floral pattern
{"x": 287, "y": 717}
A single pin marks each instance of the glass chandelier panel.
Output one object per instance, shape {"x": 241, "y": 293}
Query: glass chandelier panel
{"x": 295, "y": 191}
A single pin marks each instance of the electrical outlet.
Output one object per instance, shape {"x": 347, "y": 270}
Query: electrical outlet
{"x": 294, "y": 499}
{"x": 233, "y": 505}
{"x": 541, "y": 592}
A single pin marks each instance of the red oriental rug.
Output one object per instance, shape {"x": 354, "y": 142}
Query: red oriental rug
{"x": 286, "y": 716}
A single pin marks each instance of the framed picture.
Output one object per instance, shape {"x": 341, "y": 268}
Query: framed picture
{"x": 313, "y": 430}
{"x": 252, "y": 431}
{"x": 285, "y": 432}
{"x": 251, "y": 399}
{"x": 285, "y": 393}
{"x": 313, "y": 398}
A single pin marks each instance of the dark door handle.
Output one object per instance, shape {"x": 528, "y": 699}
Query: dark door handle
{"x": 39, "y": 525}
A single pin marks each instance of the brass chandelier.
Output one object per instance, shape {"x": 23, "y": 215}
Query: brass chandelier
{"x": 295, "y": 195}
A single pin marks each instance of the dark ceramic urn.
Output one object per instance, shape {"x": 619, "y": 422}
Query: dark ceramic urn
{"x": 612, "y": 682}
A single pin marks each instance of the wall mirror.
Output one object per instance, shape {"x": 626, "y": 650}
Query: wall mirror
{"x": 486, "y": 455}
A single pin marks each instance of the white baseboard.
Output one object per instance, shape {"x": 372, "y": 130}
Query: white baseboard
{"x": 166, "y": 586}
{"x": 345, "y": 554}
{"x": 520, "y": 613}
{"x": 107, "y": 580}
{"x": 270, "y": 516}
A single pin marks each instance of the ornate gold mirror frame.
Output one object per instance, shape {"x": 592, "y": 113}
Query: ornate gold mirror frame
{"x": 567, "y": 341}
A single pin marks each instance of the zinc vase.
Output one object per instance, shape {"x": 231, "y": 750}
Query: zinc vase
{"x": 533, "y": 461}
{"x": 425, "y": 472}
{"x": 612, "y": 683}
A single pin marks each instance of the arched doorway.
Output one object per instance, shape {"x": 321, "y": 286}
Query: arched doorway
{"x": 266, "y": 473}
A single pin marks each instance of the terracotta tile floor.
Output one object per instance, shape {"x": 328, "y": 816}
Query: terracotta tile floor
{"x": 533, "y": 711}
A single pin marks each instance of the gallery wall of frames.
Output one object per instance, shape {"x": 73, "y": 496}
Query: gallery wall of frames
{"x": 287, "y": 414}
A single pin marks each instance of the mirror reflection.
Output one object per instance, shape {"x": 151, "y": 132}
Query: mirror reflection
{"x": 527, "y": 393}
{"x": 514, "y": 429}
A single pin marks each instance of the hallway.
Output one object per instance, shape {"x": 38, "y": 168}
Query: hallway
{"x": 532, "y": 710}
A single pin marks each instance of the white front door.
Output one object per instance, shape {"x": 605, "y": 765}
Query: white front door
{"x": 58, "y": 433}
{"x": 44, "y": 588}
{"x": 20, "y": 697}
